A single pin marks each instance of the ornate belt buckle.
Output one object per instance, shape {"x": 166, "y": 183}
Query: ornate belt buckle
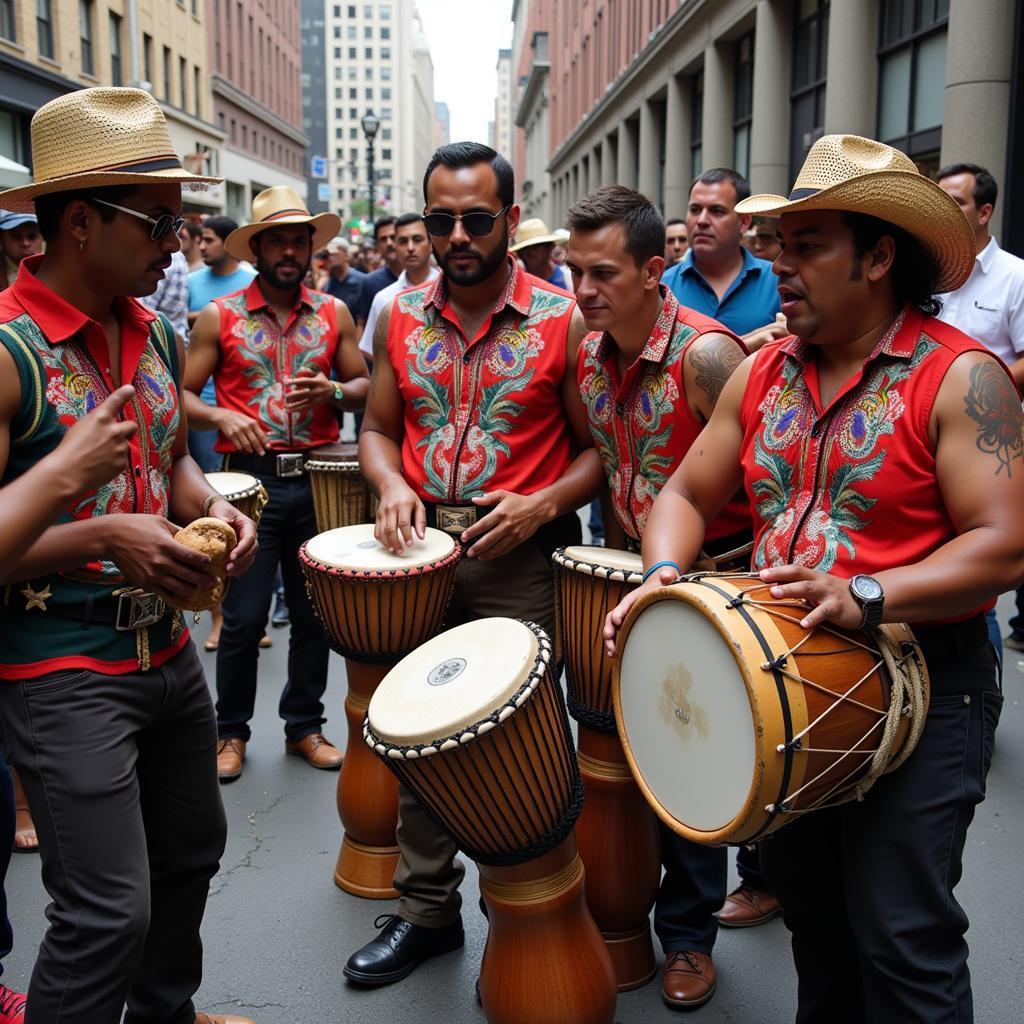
{"x": 454, "y": 520}
{"x": 289, "y": 464}
{"x": 137, "y": 609}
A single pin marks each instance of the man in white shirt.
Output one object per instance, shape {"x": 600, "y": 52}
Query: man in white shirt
{"x": 990, "y": 306}
{"x": 413, "y": 245}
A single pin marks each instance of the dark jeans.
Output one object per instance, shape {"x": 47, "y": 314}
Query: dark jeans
{"x": 1017, "y": 621}
{"x": 200, "y": 447}
{"x": 121, "y": 777}
{"x": 867, "y": 888}
{"x": 287, "y": 522}
{"x": 693, "y": 888}
{"x": 7, "y": 828}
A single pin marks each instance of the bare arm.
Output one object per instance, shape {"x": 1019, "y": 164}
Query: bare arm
{"x": 349, "y": 364}
{"x": 710, "y": 361}
{"x": 753, "y": 340}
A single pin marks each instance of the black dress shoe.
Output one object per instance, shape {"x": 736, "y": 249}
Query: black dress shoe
{"x": 399, "y": 949}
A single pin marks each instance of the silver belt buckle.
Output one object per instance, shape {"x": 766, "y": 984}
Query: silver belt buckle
{"x": 289, "y": 464}
{"x": 137, "y": 609}
{"x": 454, "y": 520}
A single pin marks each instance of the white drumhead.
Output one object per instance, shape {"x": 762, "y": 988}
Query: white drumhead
{"x": 687, "y": 716}
{"x": 354, "y": 547}
{"x": 453, "y": 681}
{"x": 605, "y": 558}
{"x": 231, "y": 485}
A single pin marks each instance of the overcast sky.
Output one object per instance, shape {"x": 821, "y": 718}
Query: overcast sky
{"x": 464, "y": 37}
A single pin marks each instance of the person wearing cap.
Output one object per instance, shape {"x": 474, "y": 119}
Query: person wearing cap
{"x": 534, "y": 245}
{"x": 104, "y": 707}
{"x": 883, "y": 451}
{"x": 19, "y": 237}
{"x": 344, "y": 282}
{"x": 271, "y": 349}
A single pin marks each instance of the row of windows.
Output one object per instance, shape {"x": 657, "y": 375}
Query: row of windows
{"x": 340, "y": 172}
{"x": 353, "y": 53}
{"x": 352, "y": 33}
{"x": 260, "y": 144}
{"x": 384, "y": 10}
{"x": 355, "y": 154}
{"x": 353, "y": 112}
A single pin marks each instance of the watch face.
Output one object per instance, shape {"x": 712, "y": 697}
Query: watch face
{"x": 866, "y": 588}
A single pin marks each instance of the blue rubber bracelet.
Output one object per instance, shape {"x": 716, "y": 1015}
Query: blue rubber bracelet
{"x": 661, "y": 565}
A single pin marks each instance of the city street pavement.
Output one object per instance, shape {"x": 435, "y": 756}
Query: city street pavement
{"x": 278, "y": 931}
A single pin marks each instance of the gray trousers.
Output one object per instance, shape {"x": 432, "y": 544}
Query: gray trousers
{"x": 517, "y": 585}
{"x": 121, "y": 777}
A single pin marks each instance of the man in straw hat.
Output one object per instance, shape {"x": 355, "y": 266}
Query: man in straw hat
{"x": 535, "y": 245}
{"x": 105, "y": 709}
{"x": 882, "y": 450}
{"x": 272, "y": 349}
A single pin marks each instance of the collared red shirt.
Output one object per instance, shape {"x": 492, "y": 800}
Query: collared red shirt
{"x": 989, "y": 307}
{"x": 171, "y": 295}
{"x": 384, "y": 298}
{"x": 257, "y": 355}
{"x": 482, "y": 413}
{"x": 750, "y": 302}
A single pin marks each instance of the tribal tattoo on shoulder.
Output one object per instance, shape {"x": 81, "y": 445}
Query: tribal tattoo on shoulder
{"x": 993, "y": 403}
{"x": 715, "y": 364}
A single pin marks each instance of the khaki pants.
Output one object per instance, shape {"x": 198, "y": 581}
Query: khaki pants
{"x": 518, "y": 585}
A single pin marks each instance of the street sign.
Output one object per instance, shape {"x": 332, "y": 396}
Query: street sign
{"x": 323, "y": 192}
{"x": 318, "y": 167}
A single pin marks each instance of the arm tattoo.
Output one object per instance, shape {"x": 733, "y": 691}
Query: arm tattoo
{"x": 715, "y": 364}
{"x": 993, "y": 403}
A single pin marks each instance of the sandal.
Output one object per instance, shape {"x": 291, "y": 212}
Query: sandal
{"x": 25, "y": 838}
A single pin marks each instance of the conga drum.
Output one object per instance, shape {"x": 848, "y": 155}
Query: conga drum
{"x": 617, "y": 832}
{"x": 340, "y": 494}
{"x": 474, "y": 725}
{"x": 375, "y": 607}
{"x": 717, "y": 681}
{"x": 245, "y": 492}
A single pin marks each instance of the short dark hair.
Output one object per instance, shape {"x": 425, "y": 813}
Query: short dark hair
{"x": 50, "y": 208}
{"x": 915, "y": 270}
{"x": 468, "y": 154}
{"x": 220, "y": 226}
{"x": 719, "y": 174}
{"x": 675, "y": 220}
{"x": 193, "y": 228}
{"x": 384, "y": 222}
{"x": 408, "y": 218}
{"x": 612, "y": 204}
{"x": 985, "y": 188}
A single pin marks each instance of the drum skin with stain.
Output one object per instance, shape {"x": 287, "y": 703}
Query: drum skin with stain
{"x": 617, "y": 831}
{"x": 375, "y": 607}
{"x": 474, "y": 724}
{"x": 715, "y": 679}
{"x": 341, "y": 496}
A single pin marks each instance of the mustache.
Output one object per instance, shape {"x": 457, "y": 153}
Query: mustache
{"x": 161, "y": 264}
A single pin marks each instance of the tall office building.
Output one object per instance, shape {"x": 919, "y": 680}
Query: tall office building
{"x": 503, "y": 115}
{"x": 313, "y": 80}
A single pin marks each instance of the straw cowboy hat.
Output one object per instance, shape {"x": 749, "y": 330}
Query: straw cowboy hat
{"x": 277, "y": 205}
{"x": 534, "y": 232}
{"x": 95, "y": 138}
{"x": 846, "y": 172}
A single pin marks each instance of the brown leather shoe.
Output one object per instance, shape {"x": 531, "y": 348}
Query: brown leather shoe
{"x": 319, "y": 751}
{"x": 746, "y": 907}
{"x": 230, "y": 755}
{"x": 222, "y": 1018}
{"x": 689, "y": 980}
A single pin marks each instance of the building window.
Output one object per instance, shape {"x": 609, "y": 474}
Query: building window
{"x": 385, "y": 94}
{"x": 182, "y": 83}
{"x": 810, "y": 67}
{"x": 353, "y": 113}
{"x": 350, "y": 32}
{"x": 167, "y": 74}
{"x": 85, "y": 36}
{"x": 385, "y": 73}
{"x": 368, "y": 11}
{"x": 368, "y": 93}
{"x": 697, "y": 123}
{"x": 385, "y": 33}
{"x": 912, "y": 77}
{"x": 197, "y": 88}
{"x": 368, "y": 53}
{"x": 368, "y": 32}
{"x": 385, "y": 12}
{"x": 353, "y": 94}
{"x": 743, "y": 103}
{"x": 385, "y": 134}
{"x": 351, "y": 53}
{"x": 385, "y": 53}
{"x": 368, "y": 74}
{"x": 44, "y": 27}
{"x": 7, "y": 25}
{"x": 385, "y": 154}
{"x": 353, "y": 133}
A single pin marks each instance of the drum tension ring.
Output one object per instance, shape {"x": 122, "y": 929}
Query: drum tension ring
{"x": 775, "y": 665}
{"x": 793, "y": 745}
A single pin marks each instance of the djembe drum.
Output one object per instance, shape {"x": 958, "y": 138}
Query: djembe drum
{"x": 245, "y": 492}
{"x": 474, "y": 725}
{"x": 716, "y": 680}
{"x": 340, "y": 494}
{"x": 617, "y": 833}
{"x": 375, "y": 607}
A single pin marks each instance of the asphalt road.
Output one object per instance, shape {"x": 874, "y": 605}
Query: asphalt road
{"x": 277, "y": 930}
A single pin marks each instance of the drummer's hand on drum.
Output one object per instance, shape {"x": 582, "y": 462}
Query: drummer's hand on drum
{"x": 243, "y": 553}
{"x": 306, "y": 389}
{"x": 515, "y": 518}
{"x": 242, "y": 431}
{"x": 665, "y": 576}
{"x": 401, "y": 517}
{"x": 830, "y": 595}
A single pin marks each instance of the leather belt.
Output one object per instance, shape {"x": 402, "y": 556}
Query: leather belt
{"x": 452, "y": 519}
{"x": 125, "y": 611}
{"x": 280, "y": 464}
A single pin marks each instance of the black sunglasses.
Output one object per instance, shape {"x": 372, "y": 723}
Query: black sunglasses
{"x": 161, "y": 225}
{"x": 477, "y": 223}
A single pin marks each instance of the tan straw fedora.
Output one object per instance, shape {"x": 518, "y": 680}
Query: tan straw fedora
{"x": 277, "y": 205}
{"x": 846, "y": 172}
{"x": 94, "y": 138}
{"x": 533, "y": 232}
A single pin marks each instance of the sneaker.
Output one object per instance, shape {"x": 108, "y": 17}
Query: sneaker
{"x": 280, "y": 618}
{"x": 1015, "y": 641}
{"x": 12, "y": 1006}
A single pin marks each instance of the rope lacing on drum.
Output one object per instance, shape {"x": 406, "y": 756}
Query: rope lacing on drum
{"x": 908, "y": 697}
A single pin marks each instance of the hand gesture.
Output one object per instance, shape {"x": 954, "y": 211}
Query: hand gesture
{"x": 514, "y": 519}
{"x": 400, "y": 517}
{"x": 241, "y": 557}
{"x": 96, "y": 448}
{"x": 613, "y": 621}
{"x": 829, "y": 596}
{"x": 242, "y": 431}
{"x": 308, "y": 388}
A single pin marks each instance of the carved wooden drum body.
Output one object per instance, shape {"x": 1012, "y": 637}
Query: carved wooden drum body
{"x": 341, "y": 497}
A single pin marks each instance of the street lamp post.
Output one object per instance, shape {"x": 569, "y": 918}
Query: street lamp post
{"x": 371, "y": 124}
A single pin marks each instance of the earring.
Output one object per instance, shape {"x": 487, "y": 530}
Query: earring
{"x": 81, "y": 246}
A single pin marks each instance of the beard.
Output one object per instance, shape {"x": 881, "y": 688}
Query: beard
{"x": 271, "y": 272}
{"x": 480, "y": 270}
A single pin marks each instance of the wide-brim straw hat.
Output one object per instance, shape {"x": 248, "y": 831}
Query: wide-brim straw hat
{"x": 94, "y": 138}
{"x": 533, "y": 232}
{"x": 277, "y": 205}
{"x": 846, "y": 172}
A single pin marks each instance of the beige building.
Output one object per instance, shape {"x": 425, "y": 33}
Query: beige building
{"x": 503, "y": 121}
{"x": 50, "y": 47}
